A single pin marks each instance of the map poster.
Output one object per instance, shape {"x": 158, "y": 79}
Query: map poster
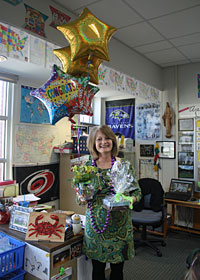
{"x": 34, "y": 144}
{"x": 40, "y": 180}
{"x": 32, "y": 109}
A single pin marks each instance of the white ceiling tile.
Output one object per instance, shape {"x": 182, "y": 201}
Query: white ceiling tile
{"x": 186, "y": 40}
{"x": 191, "y": 51}
{"x": 115, "y": 13}
{"x": 74, "y": 4}
{"x": 155, "y": 8}
{"x": 153, "y": 47}
{"x": 138, "y": 34}
{"x": 178, "y": 24}
{"x": 165, "y": 56}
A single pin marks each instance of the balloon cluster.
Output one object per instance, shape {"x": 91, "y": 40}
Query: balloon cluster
{"x": 68, "y": 92}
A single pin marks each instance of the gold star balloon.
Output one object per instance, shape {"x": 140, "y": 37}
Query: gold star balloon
{"x": 87, "y": 36}
{"x": 80, "y": 67}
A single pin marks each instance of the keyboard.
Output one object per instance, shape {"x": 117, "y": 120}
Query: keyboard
{"x": 178, "y": 196}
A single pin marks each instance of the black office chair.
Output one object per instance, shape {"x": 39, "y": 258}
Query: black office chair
{"x": 150, "y": 212}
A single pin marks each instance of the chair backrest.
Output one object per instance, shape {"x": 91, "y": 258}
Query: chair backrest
{"x": 152, "y": 195}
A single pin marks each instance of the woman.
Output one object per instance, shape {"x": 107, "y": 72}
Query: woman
{"x": 108, "y": 236}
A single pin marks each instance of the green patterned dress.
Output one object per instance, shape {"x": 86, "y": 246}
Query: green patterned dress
{"x": 115, "y": 244}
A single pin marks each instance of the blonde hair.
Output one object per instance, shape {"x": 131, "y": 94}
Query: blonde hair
{"x": 91, "y": 141}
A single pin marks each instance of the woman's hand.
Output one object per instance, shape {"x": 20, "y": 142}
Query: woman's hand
{"x": 81, "y": 200}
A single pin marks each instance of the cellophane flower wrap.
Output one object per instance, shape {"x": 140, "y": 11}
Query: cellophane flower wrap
{"x": 124, "y": 182}
{"x": 82, "y": 181}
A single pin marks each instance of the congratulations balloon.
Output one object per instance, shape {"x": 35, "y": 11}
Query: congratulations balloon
{"x": 80, "y": 67}
{"x": 87, "y": 36}
{"x": 64, "y": 95}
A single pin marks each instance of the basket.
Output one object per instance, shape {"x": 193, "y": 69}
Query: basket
{"x": 15, "y": 275}
{"x": 82, "y": 142}
{"x": 12, "y": 259}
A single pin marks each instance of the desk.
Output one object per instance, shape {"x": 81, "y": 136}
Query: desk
{"x": 196, "y": 218}
{"x": 53, "y": 251}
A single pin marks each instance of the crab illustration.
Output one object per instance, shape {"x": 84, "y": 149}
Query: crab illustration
{"x": 45, "y": 228}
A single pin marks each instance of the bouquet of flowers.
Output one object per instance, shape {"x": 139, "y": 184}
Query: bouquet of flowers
{"x": 82, "y": 182}
{"x": 123, "y": 181}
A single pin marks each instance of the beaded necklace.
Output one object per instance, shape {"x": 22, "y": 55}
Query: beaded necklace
{"x": 95, "y": 227}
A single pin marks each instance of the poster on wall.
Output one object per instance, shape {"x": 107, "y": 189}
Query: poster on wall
{"x": 40, "y": 180}
{"x": 148, "y": 121}
{"x": 13, "y": 42}
{"x": 120, "y": 116}
{"x": 35, "y": 21}
{"x": 32, "y": 109}
{"x": 34, "y": 144}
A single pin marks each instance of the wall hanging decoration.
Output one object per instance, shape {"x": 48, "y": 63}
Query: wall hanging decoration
{"x": 46, "y": 226}
{"x": 168, "y": 120}
{"x": 32, "y": 109}
{"x": 40, "y": 180}
{"x": 120, "y": 116}
{"x": 148, "y": 121}
{"x": 58, "y": 17}
{"x": 35, "y": 21}
{"x": 156, "y": 158}
{"x": 167, "y": 149}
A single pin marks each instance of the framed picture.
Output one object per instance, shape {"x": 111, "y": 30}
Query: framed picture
{"x": 185, "y": 124}
{"x": 146, "y": 150}
{"x": 19, "y": 218}
{"x": 166, "y": 149}
{"x": 186, "y": 158}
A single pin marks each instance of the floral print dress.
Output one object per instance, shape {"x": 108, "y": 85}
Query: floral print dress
{"x": 115, "y": 244}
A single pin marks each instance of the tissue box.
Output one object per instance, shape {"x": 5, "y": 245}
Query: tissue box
{"x": 110, "y": 204}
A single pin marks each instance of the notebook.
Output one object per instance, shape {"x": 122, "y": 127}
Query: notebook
{"x": 180, "y": 189}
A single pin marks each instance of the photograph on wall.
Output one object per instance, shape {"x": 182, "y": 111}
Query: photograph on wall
{"x": 146, "y": 150}
{"x": 32, "y": 109}
{"x": 40, "y": 180}
{"x": 120, "y": 116}
{"x": 185, "y": 171}
{"x": 185, "y": 158}
{"x": 148, "y": 121}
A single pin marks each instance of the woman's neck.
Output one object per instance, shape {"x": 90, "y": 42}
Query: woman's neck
{"x": 104, "y": 161}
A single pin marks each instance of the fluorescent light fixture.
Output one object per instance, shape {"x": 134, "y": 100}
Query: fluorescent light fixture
{"x": 3, "y": 58}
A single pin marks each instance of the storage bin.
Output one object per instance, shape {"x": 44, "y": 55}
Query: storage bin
{"x": 16, "y": 275}
{"x": 82, "y": 143}
{"x": 12, "y": 259}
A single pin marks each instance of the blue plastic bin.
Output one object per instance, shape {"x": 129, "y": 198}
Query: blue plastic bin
{"x": 12, "y": 259}
{"x": 15, "y": 275}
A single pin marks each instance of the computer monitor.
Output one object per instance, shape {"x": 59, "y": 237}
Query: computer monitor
{"x": 181, "y": 186}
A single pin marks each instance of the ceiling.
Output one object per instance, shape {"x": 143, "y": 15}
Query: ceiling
{"x": 167, "y": 32}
